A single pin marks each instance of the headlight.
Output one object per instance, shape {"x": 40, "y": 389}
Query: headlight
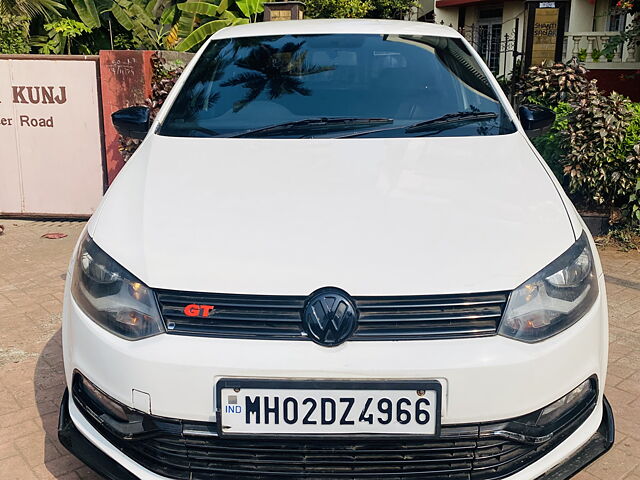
{"x": 112, "y": 297}
{"x": 554, "y": 298}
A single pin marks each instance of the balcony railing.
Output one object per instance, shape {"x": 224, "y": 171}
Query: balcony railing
{"x": 587, "y": 47}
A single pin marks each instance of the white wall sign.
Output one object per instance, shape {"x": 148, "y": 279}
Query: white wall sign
{"x": 50, "y": 146}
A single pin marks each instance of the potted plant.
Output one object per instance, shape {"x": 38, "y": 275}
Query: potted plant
{"x": 597, "y": 222}
{"x": 582, "y": 55}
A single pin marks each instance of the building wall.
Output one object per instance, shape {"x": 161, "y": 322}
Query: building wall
{"x": 447, "y": 15}
{"x": 581, "y": 16}
{"x": 617, "y": 80}
{"x": 511, "y": 12}
{"x": 425, "y": 6}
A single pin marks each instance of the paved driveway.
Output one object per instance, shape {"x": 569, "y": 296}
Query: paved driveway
{"x": 32, "y": 273}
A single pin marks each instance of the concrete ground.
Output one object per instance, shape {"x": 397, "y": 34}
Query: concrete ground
{"x": 32, "y": 271}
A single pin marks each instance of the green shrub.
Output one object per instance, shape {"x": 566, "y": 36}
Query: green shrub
{"x": 593, "y": 146}
{"x": 632, "y": 144}
{"x": 551, "y": 145}
{"x": 14, "y": 34}
{"x": 550, "y": 86}
{"x": 358, "y": 8}
{"x": 391, "y": 8}
{"x": 337, "y": 8}
{"x": 603, "y": 158}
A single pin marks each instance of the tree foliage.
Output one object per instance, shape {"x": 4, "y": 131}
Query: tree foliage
{"x": 359, "y": 8}
{"x": 31, "y": 8}
{"x": 60, "y": 36}
{"x": 166, "y": 25}
{"x": 250, "y": 8}
{"x": 391, "y": 8}
{"x": 337, "y": 8}
{"x": 144, "y": 19}
{"x": 88, "y": 12}
{"x": 209, "y": 17}
{"x": 14, "y": 34}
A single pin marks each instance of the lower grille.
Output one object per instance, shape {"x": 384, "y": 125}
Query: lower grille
{"x": 379, "y": 318}
{"x": 215, "y": 458}
{"x": 193, "y": 450}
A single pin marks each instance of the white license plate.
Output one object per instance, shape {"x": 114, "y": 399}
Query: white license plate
{"x": 308, "y": 407}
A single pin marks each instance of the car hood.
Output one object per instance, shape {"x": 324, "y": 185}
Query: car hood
{"x": 370, "y": 216}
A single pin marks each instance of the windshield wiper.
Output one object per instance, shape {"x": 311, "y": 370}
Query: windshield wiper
{"x": 450, "y": 119}
{"x": 312, "y": 125}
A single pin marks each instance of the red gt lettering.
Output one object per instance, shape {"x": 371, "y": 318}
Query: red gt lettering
{"x": 194, "y": 310}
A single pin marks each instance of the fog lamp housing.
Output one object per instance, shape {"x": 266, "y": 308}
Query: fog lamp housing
{"x": 105, "y": 412}
{"x": 99, "y": 407}
{"x": 558, "y": 409}
{"x": 547, "y": 422}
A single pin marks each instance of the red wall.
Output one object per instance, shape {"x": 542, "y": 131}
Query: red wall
{"x": 626, "y": 82}
{"x": 125, "y": 79}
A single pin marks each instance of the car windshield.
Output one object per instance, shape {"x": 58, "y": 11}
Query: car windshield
{"x": 336, "y": 86}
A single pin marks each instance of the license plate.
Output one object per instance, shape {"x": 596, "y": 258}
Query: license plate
{"x": 306, "y": 407}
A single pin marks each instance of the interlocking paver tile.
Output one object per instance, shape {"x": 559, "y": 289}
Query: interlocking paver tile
{"x": 16, "y": 468}
{"x": 32, "y": 273}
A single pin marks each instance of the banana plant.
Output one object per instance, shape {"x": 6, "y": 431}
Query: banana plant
{"x": 151, "y": 22}
{"x": 250, "y": 8}
{"x": 88, "y": 12}
{"x": 211, "y": 16}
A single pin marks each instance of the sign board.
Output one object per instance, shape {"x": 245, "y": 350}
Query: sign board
{"x": 285, "y": 10}
{"x": 545, "y": 32}
{"x": 51, "y": 160}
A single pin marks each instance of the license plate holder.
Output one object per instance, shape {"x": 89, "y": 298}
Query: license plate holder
{"x": 397, "y": 392}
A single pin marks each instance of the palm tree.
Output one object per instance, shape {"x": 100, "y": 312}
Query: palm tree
{"x": 277, "y": 70}
{"x": 31, "y": 8}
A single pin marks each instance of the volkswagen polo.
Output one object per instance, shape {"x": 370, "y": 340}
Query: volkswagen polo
{"x": 335, "y": 254}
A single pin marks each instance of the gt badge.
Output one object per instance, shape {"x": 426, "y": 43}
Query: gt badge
{"x": 194, "y": 310}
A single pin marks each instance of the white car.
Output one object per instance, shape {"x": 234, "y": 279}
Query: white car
{"x": 336, "y": 254}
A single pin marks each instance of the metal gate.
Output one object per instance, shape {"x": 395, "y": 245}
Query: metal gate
{"x": 498, "y": 49}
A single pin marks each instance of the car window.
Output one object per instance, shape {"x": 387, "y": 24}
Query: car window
{"x": 382, "y": 84}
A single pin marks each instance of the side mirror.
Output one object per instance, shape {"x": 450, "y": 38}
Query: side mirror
{"x": 535, "y": 119}
{"x": 132, "y": 122}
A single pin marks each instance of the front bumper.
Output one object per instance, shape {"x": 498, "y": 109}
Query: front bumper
{"x": 483, "y": 379}
{"x": 92, "y": 448}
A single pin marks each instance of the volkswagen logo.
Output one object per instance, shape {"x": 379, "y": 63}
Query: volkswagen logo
{"x": 329, "y": 317}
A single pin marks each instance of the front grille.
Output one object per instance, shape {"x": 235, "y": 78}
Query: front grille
{"x": 380, "y": 318}
{"x": 214, "y": 458}
{"x": 192, "y": 450}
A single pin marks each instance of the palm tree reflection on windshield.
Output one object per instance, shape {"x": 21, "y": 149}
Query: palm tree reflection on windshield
{"x": 276, "y": 69}
{"x": 202, "y": 96}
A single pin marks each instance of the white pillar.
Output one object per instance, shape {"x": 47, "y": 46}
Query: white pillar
{"x": 581, "y": 16}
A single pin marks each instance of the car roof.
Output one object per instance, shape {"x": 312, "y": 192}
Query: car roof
{"x": 321, "y": 26}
